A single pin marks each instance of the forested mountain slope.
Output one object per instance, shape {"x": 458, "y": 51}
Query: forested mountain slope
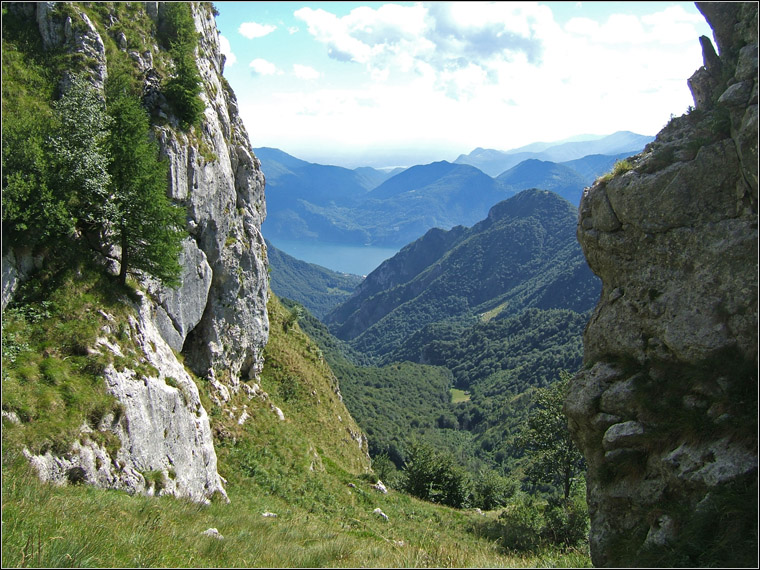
{"x": 524, "y": 254}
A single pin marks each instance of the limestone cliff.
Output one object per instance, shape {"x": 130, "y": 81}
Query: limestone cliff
{"x": 217, "y": 318}
{"x": 665, "y": 409}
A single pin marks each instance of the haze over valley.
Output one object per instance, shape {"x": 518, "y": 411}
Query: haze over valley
{"x": 347, "y": 284}
{"x": 328, "y": 211}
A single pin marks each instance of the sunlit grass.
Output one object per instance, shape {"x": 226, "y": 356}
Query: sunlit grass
{"x": 307, "y": 469}
{"x": 458, "y": 396}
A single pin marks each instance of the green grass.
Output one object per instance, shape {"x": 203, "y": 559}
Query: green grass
{"x": 306, "y": 469}
{"x": 458, "y": 396}
{"x": 51, "y": 381}
{"x": 49, "y": 526}
{"x": 620, "y": 167}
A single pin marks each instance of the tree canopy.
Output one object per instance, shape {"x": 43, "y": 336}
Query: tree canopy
{"x": 554, "y": 458}
{"x": 89, "y": 171}
{"x": 145, "y": 224}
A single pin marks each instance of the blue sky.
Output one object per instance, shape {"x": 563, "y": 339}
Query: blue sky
{"x": 396, "y": 84}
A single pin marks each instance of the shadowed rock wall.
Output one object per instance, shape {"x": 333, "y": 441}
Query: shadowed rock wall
{"x": 665, "y": 409}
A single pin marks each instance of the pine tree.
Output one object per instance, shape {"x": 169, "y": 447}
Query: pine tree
{"x": 147, "y": 225}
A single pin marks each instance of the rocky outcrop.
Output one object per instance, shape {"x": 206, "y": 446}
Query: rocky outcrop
{"x": 166, "y": 444}
{"x": 216, "y": 174}
{"x": 217, "y": 317}
{"x": 665, "y": 409}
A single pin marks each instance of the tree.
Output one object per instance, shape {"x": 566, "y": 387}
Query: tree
{"x": 33, "y": 211}
{"x": 146, "y": 224}
{"x": 183, "y": 89}
{"x": 55, "y": 167}
{"x": 79, "y": 155}
{"x": 554, "y": 458}
{"x": 435, "y": 477}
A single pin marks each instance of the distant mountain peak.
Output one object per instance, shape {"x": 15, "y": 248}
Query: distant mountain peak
{"x": 494, "y": 162}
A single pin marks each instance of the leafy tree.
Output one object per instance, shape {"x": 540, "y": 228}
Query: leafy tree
{"x": 492, "y": 490}
{"x": 32, "y": 211}
{"x": 435, "y": 477}
{"x": 145, "y": 223}
{"x": 554, "y": 458}
{"x": 79, "y": 155}
{"x": 55, "y": 167}
{"x": 183, "y": 89}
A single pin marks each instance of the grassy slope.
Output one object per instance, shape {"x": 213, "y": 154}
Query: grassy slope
{"x": 301, "y": 469}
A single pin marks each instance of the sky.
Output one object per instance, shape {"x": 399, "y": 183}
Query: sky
{"x": 396, "y": 84}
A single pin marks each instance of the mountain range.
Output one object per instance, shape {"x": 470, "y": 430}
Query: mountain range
{"x": 367, "y": 206}
{"x": 495, "y": 309}
{"x": 522, "y": 255}
{"x": 494, "y": 162}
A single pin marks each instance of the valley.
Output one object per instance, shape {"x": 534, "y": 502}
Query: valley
{"x": 496, "y": 310}
{"x": 221, "y": 355}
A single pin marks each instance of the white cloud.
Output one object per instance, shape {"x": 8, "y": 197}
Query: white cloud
{"x": 224, "y": 46}
{"x": 305, "y": 72}
{"x": 439, "y": 37}
{"x": 253, "y": 30}
{"x": 293, "y": 30}
{"x": 673, "y": 25}
{"x": 521, "y": 76}
{"x": 263, "y": 67}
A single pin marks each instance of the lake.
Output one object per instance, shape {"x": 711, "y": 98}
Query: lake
{"x": 356, "y": 259}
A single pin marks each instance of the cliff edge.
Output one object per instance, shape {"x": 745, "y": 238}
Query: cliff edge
{"x": 216, "y": 321}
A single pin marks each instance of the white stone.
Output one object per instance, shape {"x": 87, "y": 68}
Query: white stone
{"x": 213, "y": 533}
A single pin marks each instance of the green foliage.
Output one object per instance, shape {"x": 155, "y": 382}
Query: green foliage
{"x": 50, "y": 380}
{"x": 435, "y": 476}
{"x": 528, "y": 523}
{"x": 521, "y": 524}
{"x": 78, "y": 174}
{"x": 79, "y": 155}
{"x": 55, "y": 167}
{"x": 492, "y": 490}
{"x": 554, "y": 458}
{"x": 147, "y": 226}
{"x": 620, "y": 167}
{"x": 385, "y": 469}
{"x": 295, "y": 313}
{"x": 567, "y": 520}
{"x": 182, "y": 90}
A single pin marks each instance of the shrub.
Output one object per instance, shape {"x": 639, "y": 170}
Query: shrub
{"x": 435, "y": 477}
{"x": 566, "y": 521}
{"x": 522, "y": 523}
{"x": 492, "y": 490}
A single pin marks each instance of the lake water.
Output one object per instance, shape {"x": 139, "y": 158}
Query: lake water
{"x": 356, "y": 259}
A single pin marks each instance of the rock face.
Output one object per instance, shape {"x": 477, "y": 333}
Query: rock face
{"x": 217, "y": 318}
{"x": 166, "y": 441}
{"x": 220, "y": 180}
{"x": 665, "y": 409}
